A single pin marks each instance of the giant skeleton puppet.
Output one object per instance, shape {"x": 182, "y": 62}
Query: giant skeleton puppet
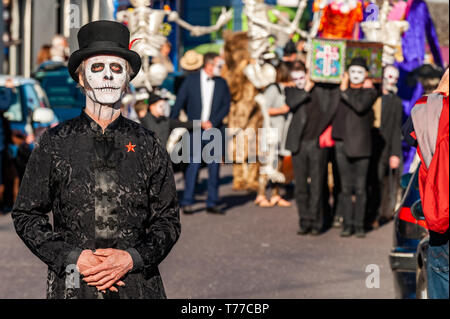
{"x": 387, "y": 32}
{"x": 107, "y": 181}
{"x": 261, "y": 73}
{"x": 145, "y": 25}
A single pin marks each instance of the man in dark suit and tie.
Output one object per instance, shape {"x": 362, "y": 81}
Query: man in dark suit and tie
{"x": 205, "y": 97}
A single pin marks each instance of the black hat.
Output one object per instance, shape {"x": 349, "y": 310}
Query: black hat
{"x": 289, "y": 48}
{"x": 103, "y": 37}
{"x": 359, "y": 61}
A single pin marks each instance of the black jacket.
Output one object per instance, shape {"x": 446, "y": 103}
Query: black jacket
{"x": 353, "y": 121}
{"x": 105, "y": 190}
{"x": 189, "y": 98}
{"x": 302, "y": 103}
{"x": 163, "y": 126}
{"x": 391, "y": 123}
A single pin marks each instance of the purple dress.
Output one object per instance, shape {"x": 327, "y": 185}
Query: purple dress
{"x": 421, "y": 29}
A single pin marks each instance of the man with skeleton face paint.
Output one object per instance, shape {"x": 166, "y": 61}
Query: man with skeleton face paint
{"x": 387, "y": 149}
{"x": 108, "y": 182}
{"x": 351, "y": 131}
{"x": 313, "y": 107}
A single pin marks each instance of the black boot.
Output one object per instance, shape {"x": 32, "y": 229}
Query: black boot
{"x": 359, "y": 232}
{"x": 347, "y": 231}
{"x": 303, "y": 230}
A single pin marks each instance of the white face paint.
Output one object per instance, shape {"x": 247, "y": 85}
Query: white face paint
{"x": 219, "y": 63}
{"x": 299, "y": 78}
{"x": 106, "y": 76}
{"x": 357, "y": 74}
{"x": 390, "y": 78}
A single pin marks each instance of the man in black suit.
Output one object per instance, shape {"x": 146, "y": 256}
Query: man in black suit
{"x": 205, "y": 97}
{"x": 351, "y": 131}
{"x": 313, "y": 109}
{"x": 387, "y": 149}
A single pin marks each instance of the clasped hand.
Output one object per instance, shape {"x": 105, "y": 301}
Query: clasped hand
{"x": 104, "y": 268}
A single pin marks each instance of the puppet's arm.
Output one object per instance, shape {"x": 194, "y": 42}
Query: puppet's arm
{"x": 197, "y": 31}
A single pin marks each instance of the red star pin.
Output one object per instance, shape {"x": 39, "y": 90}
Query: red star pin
{"x": 130, "y": 147}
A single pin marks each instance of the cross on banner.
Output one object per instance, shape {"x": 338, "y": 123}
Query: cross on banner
{"x": 328, "y": 55}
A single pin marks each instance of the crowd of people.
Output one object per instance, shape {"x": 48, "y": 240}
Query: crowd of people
{"x": 338, "y": 144}
{"x": 345, "y": 136}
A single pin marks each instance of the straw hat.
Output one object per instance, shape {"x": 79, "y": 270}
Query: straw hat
{"x": 191, "y": 60}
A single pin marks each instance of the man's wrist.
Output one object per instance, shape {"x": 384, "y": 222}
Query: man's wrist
{"x": 138, "y": 262}
{"x": 72, "y": 257}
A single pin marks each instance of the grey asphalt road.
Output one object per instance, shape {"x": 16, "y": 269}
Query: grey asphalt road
{"x": 248, "y": 253}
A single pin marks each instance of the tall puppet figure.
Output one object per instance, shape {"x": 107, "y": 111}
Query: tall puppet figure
{"x": 244, "y": 112}
{"x": 339, "y": 19}
{"x": 144, "y": 24}
{"x": 413, "y": 45}
{"x": 247, "y": 72}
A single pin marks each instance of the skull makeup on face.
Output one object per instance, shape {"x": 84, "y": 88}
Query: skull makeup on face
{"x": 218, "y": 65}
{"x": 299, "y": 78}
{"x": 357, "y": 74}
{"x": 390, "y": 78}
{"x": 106, "y": 78}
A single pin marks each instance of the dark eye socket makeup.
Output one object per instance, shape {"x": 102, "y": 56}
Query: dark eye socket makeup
{"x": 97, "y": 67}
{"x": 116, "y": 67}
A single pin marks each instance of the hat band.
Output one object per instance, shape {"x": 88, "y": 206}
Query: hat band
{"x": 104, "y": 45}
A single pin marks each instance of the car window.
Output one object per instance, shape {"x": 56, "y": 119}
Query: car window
{"x": 14, "y": 113}
{"x": 62, "y": 91}
{"x": 31, "y": 97}
{"x": 41, "y": 95}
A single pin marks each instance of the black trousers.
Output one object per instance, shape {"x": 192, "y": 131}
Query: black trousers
{"x": 383, "y": 182}
{"x": 310, "y": 163}
{"x": 353, "y": 173}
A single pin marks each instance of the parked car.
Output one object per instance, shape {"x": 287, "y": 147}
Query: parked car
{"x": 28, "y": 115}
{"x": 27, "y": 96}
{"x": 408, "y": 255}
{"x": 65, "y": 97}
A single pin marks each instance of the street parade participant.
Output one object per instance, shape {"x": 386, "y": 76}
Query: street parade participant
{"x": 108, "y": 182}
{"x": 279, "y": 118}
{"x": 387, "y": 150}
{"x": 351, "y": 131}
{"x": 205, "y": 97}
{"x": 427, "y": 129}
{"x": 313, "y": 109}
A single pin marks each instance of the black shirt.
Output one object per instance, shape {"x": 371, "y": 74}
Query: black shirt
{"x": 105, "y": 190}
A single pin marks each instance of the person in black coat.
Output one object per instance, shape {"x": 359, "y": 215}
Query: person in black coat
{"x": 351, "y": 131}
{"x": 313, "y": 109}
{"x": 387, "y": 150}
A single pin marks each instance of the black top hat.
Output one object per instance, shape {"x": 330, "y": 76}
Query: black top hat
{"x": 359, "y": 61}
{"x": 103, "y": 37}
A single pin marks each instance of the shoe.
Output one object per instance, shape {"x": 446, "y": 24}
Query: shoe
{"x": 280, "y": 202}
{"x": 337, "y": 223}
{"x": 360, "y": 233}
{"x": 259, "y": 199}
{"x": 346, "y": 232}
{"x": 303, "y": 231}
{"x": 315, "y": 232}
{"x": 187, "y": 210}
{"x": 215, "y": 210}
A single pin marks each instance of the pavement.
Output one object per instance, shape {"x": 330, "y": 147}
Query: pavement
{"x": 250, "y": 252}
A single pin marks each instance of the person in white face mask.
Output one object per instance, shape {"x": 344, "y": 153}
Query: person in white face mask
{"x": 387, "y": 150}
{"x": 351, "y": 131}
{"x": 313, "y": 106}
{"x": 108, "y": 182}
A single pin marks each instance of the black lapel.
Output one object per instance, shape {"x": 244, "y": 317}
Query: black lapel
{"x": 215, "y": 94}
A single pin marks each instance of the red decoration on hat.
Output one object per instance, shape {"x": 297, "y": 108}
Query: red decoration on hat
{"x": 132, "y": 42}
